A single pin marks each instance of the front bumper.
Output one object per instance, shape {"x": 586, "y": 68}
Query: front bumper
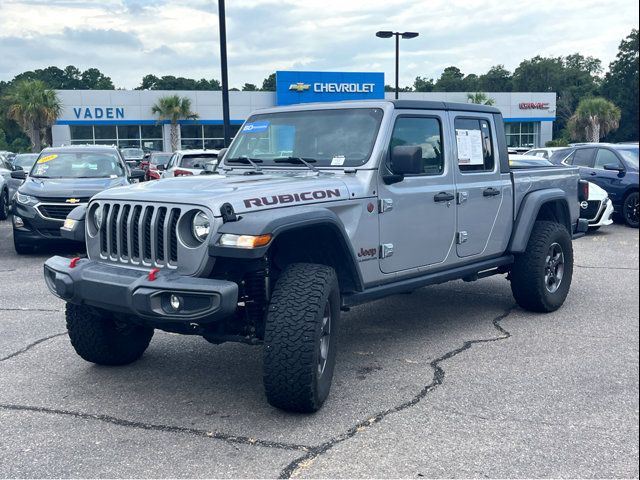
{"x": 605, "y": 217}
{"x": 36, "y": 228}
{"x": 130, "y": 291}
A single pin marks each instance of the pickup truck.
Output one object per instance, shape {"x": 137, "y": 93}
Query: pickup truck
{"x": 315, "y": 209}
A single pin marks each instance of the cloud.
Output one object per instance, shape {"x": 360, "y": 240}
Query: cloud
{"x": 127, "y": 39}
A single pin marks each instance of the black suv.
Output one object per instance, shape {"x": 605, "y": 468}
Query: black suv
{"x": 61, "y": 179}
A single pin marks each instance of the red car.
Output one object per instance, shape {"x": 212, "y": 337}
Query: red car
{"x": 151, "y": 163}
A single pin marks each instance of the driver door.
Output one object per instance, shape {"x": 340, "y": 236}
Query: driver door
{"x": 417, "y": 224}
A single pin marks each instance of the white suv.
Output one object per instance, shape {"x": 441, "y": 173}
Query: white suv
{"x": 186, "y": 163}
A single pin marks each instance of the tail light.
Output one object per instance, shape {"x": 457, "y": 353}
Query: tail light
{"x": 583, "y": 191}
{"x": 183, "y": 173}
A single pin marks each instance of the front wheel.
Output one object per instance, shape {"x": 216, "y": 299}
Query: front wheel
{"x": 300, "y": 337}
{"x": 630, "y": 210}
{"x": 100, "y": 339}
{"x": 542, "y": 275}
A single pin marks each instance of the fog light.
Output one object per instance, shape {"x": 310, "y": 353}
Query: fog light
{"x": 18, "y": 222}
{"x": 176, "y": 302}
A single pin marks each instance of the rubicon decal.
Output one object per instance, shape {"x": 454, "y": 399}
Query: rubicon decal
{"x": 291, "y": 198}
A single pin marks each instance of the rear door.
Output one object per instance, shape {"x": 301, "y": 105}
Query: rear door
{"x": 417, "y": 218}
{"x": 485, "y": 195}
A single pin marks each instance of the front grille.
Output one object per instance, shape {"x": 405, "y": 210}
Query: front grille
{"x": 591, "y": 212}
{"x": 140, "y": 234}
{"x": 55, "y": 211}
{"x": 63, "y": 200}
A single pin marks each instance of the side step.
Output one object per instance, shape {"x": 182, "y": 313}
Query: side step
{"x": 469, "y": 272}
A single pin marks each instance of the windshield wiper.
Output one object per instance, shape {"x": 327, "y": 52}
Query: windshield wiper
{"x": 298, "y": 161}
{"x": 246, "y": 160}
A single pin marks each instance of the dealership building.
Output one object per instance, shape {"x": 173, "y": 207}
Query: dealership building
{"x": 124, "y": 117}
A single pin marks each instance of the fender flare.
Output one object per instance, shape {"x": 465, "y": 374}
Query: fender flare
{"x": 528, "y": 214}
{"x": 76, "y": 233}
{"x": 278, "y": 221}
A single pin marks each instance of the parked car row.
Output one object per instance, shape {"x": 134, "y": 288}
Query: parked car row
{"x": 612, "y": 167}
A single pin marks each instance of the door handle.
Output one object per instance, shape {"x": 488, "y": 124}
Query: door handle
{"x": 444, "y": 197}
{"x": 491, "y": 192}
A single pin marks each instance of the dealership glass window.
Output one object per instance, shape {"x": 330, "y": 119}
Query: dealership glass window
{"x": 148, "y": 137}
{"x": 204, "y": 136}
{"x": 523, "y": 134}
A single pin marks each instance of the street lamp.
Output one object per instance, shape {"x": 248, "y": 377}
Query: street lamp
{"x": 226, "y": 122}
{"x": 406, "y": 36}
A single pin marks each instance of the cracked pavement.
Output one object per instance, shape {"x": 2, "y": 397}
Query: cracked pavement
{"x": 450, "y": 381}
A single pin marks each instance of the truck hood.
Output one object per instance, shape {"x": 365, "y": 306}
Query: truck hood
{"x": 246, "y": 193}
{"x": 68, "y": 187}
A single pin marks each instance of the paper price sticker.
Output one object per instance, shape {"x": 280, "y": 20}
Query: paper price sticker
{"x": 337, "y": 161}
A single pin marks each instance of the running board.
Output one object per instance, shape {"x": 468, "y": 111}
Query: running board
{"x": 472, "y": 271}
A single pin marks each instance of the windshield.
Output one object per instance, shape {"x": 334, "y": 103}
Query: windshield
{"x": 77, "y": 165}
{"x": 25, "y": 160}
{"x": 328, "y": 138}
{"x": 132, "y": 153}
{"x": 197, "y": 161}
{"x": 160, "y": 159}
{"x": 630, "y": 155}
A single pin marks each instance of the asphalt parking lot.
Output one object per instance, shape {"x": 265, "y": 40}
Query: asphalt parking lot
{"x": 450, "y": 381}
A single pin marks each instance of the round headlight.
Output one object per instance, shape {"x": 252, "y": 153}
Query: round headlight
{"x": 97, "y": 217}
{"x": 200, "y": 226}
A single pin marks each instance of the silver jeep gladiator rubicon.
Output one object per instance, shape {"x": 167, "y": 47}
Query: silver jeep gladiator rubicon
{"x": 314, "y": 209}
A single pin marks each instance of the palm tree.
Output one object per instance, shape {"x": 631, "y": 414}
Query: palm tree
{"x": 35, "y": 107}
{"x": 480, "y": 98}
{"x": 594, "y": 118}
{"x": 174, "y": 108}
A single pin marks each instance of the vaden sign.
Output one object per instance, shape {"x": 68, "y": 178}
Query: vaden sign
{"x": 98, "y": 113}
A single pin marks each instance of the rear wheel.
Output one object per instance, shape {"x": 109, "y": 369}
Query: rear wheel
{"x": 542, "y": 275}
{"x": 103, "y": 340}
{"x": 4, "y": 205}
{"x": 630, "y": 210}
{"x": 300, "y": 337}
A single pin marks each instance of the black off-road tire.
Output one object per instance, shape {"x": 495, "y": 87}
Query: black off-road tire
{"x": 295, "y": 326}
{"x": 4, "y": 204}
{"x": 101, "y": 340}
{"x": 528, "y": 282}
{"x": 630, "y": 210}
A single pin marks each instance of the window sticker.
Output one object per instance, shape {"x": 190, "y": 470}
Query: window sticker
{"x": 48, "y": 158}
{"x": 40, "y": 170}
{"x": 256, "y": 127}
{"x": 469, "y": 147}
{"x": 338, "y": 161}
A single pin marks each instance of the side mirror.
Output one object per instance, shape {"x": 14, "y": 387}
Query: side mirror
{"x": 614, "y": 167}
{"x": 222, "y": 153}
{"x": 137, "y": 175}
{"x": 161, "y": 168}
{"x": 19, "y": 174}
{"x": 405, "y": 160}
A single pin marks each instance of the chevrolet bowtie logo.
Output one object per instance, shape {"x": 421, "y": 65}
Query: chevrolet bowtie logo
{"x": 73, "y": 200}
{"x": 299, "y": 87}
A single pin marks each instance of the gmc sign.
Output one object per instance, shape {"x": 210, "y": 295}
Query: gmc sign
{"x": 534, "y": 106}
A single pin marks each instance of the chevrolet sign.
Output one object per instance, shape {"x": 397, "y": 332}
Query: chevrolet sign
{"x": 308, "y": 87}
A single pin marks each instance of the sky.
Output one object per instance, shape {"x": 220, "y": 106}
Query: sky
{"x": 127, "y": 39}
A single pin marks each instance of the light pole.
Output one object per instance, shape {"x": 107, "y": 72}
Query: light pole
{"x": 406, "y": 36}
{"x": 226, "y": 122}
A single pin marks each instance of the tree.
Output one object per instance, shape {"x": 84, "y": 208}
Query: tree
{"x": 497, "y": 79}
{"x": 480, "y": 98}
{"x": 595, "y": 118}
{"x": 451, "y": 80}
{"x": 423, "y": 84}
{"x": 173, "y": 108}
{"x": 94, "y": 79}
{"x": 269, "y": 83}
{"x": 169, "y": 82}
{"x": 34, "y": 107}
{"x": 621, "y": 87}
{"x": 71, "y": 78}
{"x": 249, "y": 87}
